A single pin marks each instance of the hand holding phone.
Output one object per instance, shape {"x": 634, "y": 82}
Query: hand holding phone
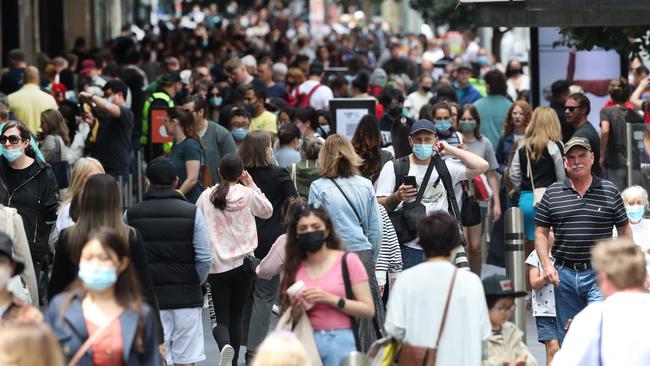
{"x": 409, "y": 180}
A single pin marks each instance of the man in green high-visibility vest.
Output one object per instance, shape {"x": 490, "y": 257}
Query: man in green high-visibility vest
{"x": 169, "y": 84}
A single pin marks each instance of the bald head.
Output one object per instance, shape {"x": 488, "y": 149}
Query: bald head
{"x": 31, "y": 75}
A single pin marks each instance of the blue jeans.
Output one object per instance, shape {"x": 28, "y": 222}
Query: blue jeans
{"x": 411, "y": 257}
{"x": 577, "y": 290}
{"x": 334, "y": 345}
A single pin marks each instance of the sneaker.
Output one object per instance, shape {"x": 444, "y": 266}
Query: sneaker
{"x": 277, "y": 310}
{"x": 227, "y": 355}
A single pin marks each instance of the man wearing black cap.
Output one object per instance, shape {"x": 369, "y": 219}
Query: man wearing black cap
{"x": 466, "y": 93}
{"x": 178, "y": 250}
{"x": 311, "y": 92}
{"x": 581, "y": 209}
{"x": 11, "y": 308}
{"x": 393, "y": 188}
{"x": 113, "y": 142}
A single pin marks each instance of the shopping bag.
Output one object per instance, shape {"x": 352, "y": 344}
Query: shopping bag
{"x": 303, "y": 331}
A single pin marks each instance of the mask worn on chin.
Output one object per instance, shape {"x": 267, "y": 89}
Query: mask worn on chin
{"x": 5, "y": 276}
{"x": 239, "y": 134}
{"x": 395, "y": 112}
{"x": 97, "y": 279}
{"x": 12, "y": 154}
{"x": 443, "y": 125}
{"x": 422, "y": 151}
{"x": 312, "y": 241}
{"x": 635, "y": 212}
{"x": 216, "y": 101}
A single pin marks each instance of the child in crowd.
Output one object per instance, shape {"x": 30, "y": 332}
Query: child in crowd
{"x": 543, "y": 307}
{"x": 506, "y": 346}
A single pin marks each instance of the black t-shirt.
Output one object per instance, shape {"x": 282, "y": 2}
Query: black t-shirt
{"x": 16, "y": 177}
{"x": 114, "y": 142}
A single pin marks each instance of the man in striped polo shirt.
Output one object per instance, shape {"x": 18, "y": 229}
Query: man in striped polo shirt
{"x": 581, "y": 210}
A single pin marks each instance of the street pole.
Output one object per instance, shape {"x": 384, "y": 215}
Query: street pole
{"x": 514, "y": 252}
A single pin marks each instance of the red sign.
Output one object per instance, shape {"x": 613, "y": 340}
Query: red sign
{"x": 158, "y": 132}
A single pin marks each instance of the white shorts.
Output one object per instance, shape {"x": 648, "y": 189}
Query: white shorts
{"x": 183, "y": 330}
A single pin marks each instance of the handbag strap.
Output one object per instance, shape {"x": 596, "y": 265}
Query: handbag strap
{"x": 444, "y": 313}
{"x": 356, "y": 213}
{"x": 425, "y": 181}
{"x": 529, "y": 169}
{"x": 349, "y": 295}
{"x": 232, "y": 233}
{"x": 58, "y": 147}
{"x": 92, "y": 340}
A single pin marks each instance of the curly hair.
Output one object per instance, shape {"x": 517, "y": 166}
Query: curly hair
{"x": 508, "y": 124}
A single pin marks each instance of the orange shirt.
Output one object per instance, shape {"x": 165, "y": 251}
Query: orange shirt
{"x": 108, "y": 350}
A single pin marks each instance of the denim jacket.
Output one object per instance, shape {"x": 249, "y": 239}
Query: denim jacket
{"x": 71, "y": 332}
{"x": 360, "y": 192}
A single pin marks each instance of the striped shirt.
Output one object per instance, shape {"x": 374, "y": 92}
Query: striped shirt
{"x": 390, "y": 256}
{"x": 578, "y": 222}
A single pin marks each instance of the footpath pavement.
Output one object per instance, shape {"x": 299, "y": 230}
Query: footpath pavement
{"x": 212, "y": 353}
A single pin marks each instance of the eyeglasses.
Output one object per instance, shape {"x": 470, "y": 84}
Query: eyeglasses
{"x": 13, "y": 139}
{"x": 501, "y": 309}
{"x": 571, "y": 108}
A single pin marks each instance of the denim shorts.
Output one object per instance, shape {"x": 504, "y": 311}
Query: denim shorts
{"x": 546, "y": 328}
{"x": 334, "y": 345}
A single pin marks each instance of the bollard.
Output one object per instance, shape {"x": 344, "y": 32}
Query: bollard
{"x": 129, "y": 194}
{"x": 515, "y": 262}
{"x": 355, "y": 359}
{"x": 138, "y": 170}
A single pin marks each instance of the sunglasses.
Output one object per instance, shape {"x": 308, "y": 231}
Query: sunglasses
{"x": 13, "y": 139}
{"x": 571, "y": 108}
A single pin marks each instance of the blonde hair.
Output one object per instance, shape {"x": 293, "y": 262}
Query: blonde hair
{"x": 337, "y": 158}
{"x": 80, "y": 172}
{"x": 544, "y": 126}
{"x": 633, "y": 192}
{"x": 622, "y": 261}
{"x": 281, "y": 349}
{"x": 29, "y": 344}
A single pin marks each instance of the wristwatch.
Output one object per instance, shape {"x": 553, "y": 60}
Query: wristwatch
{"x": 341, "y": 303}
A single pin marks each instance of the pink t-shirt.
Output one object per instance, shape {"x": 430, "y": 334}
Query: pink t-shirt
{"x": 324, "y": 316}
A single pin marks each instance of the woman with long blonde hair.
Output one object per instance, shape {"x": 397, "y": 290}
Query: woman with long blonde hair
{"x": 83, "y": 169}
{"x": 349, "y": 199}
{"x": 537, "y": 162}
{"x": 29, "y": 344}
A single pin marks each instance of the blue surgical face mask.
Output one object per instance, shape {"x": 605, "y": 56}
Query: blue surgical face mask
{"x": 216, "y": 101}
{"x": 12, "y": 154}
{"x": 97, "y": 278}
{"x": 239, "y": 134}
{"x": 482, "y": 60}
{"x": 422, "y": 151}
{"x": 443, "y": 125}
{"x": 635, "y": 212}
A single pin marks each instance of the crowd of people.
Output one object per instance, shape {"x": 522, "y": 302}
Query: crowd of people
{"x": 257, "y": 203}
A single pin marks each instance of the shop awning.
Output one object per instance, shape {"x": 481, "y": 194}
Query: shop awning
{"x": 560, "y": 13}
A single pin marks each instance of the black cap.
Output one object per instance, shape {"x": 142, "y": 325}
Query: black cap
{"x": 501, "y": 286}
{"x": 116, "y": 86}
{"x": 7, "y": 248}
{"x": 423, "y": 125}
{"x": 463, "y": 66}
{"x": 577, "y": 141}
{"x": 161, "y": 172}
{"x": 170, "y": 78}
{"x": 316, "y": 68}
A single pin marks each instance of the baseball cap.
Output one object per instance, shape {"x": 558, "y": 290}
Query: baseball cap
{"x": 6, "y": 248}
{"x": 423, "y": 125}
{"x": 170, "y": 78}
{"x": 116, "y": 86}
{"x": 161, "y": 172}
{"x": 87, "y": 66}
{"x": 463, "y": 66}
{"x": 577, "y": 141}
{"x": 500, "y": 286}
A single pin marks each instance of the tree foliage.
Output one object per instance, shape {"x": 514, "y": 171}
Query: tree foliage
{"x": 446, "y": 12}
{"x": 624, "y": 40}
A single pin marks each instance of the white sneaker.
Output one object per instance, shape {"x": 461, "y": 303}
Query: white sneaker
{"x": 227, "y": 355}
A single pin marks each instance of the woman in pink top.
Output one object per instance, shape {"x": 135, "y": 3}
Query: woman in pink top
{"x": 230, "y": 210}
{"x": 314, "y": 257}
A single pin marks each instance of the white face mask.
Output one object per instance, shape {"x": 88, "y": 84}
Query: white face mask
{"x": 5, "y": 275}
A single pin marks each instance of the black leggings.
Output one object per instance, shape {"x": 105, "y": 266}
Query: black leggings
{"x": 228, "y": 291}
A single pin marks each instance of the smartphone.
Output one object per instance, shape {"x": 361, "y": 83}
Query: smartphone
{"x": 409, "y": 180}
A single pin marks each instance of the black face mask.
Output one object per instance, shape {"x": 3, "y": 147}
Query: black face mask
{"x": 426, "y": 89}
{"x": 395, "y": 111}
{"x": 312, "y": 241}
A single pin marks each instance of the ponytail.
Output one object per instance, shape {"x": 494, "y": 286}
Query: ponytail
{"x": 218, "y": 196}
{"x": 230, "y": 169}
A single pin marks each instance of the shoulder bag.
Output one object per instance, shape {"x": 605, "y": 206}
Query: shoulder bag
{"x": 356, "y": 213}
{"x": 250, "y": 261}
{"x": 470, "y": 210}
{"x": 349, "y": 295}
{"x": 425, "y": 356}
{"x": 61, "y": 168}
{"x": 405, "y": 218}
{"x": 538, "y": 193}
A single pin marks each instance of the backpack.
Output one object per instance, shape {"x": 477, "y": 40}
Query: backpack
{"x": 302, "y": 99}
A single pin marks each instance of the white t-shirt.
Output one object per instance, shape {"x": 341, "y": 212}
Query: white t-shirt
{"x": 641, "y": 234}
{"x": 544, "y": 298}
{"x": 622, "y": 320}
{"x": 416, "y": 305}
{"x": 321, "y": 97}
{"x": 435, "y": 196}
